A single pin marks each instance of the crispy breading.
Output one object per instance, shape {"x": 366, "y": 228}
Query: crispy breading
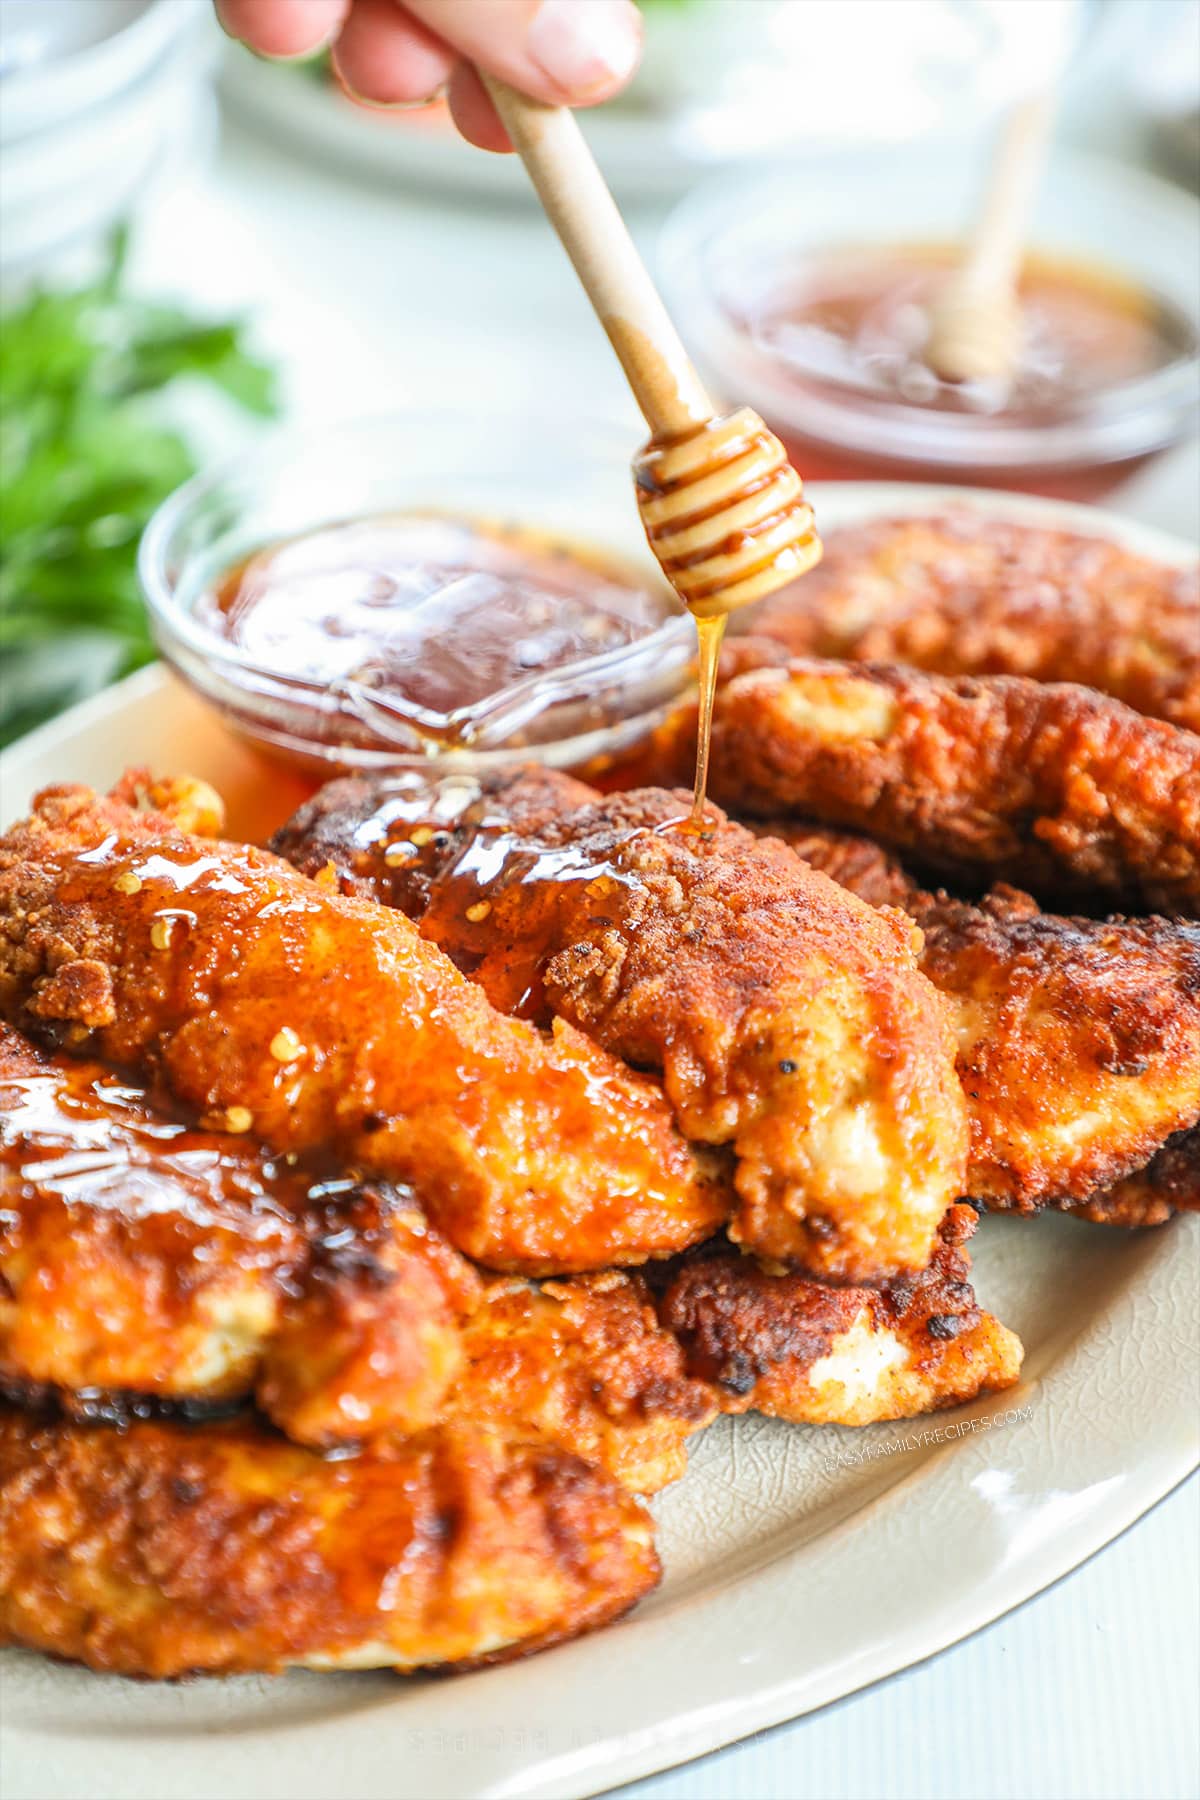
{"x": 320, "y": 1022}
{"x": 1078, "y": 1039}
{"x": 623, "y": 1371}
{"x": 992, "y": 778}
{"x": 817, "y": 1355}
{"x": 182, "y": 801}
{"x": 853, "y": 861}
{"x": 142, "y": 1257}
{"x": 584, "y": 1364}
{"x": 164, "y": 1549}
{"x": 788, "y": 1020}
{"x": 960, "y": 594}
{"x": 1169, "y": 1183}
{"x": 133, "y": 1292}
{"x": 143, "y": 1261}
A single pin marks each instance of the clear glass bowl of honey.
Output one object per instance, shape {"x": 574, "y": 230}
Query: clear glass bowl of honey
{"x": 469, "y": 588}
{"x": 806, "y": 293}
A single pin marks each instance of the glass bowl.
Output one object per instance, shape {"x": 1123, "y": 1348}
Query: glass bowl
{"x": 560, "y": 476}
{"x": 737, "y": 240}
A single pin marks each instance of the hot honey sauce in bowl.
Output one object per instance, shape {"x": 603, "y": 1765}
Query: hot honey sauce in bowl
{"x": 509, "y": 613}
{"x": 434, "y": 619}
{"x": 855, "y": 327}
{"x": 814, "y": 303}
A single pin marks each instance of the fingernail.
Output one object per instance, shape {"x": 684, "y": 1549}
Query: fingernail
{"x": 433, "y": 98}
{"x": 310, "y": 54}
{"x": 297, "y": 56}
{"x": 583, "y": 45}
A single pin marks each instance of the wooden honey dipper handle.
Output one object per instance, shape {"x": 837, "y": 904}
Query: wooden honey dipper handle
{"x": 579, "y": 205}
{"x": 722, "y": 508}
{"x": 975, "y": 329}
{"x": 996, "y": 250}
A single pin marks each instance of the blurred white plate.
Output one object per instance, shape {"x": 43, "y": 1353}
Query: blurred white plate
{"x": 800, "y": 1564}
{"x": 58, "y": 60}
{"x": 90, "y": 179}
{"x": 96, "y": 128}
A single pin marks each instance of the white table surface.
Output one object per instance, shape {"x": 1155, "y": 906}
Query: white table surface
{"x": 369, "y": 298}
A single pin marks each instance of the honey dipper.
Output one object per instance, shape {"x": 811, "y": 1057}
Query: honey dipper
{"x": 722, "y": 507}
{"x": 975, "y": 325}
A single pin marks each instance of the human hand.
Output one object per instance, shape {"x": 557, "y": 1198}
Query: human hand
{"x": 406, "y": 52}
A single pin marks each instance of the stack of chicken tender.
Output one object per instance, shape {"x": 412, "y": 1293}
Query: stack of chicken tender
{"x": 382, "y": 1213}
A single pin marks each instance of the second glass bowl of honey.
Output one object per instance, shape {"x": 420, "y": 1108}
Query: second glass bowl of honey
{"x": 466, "y": 590}
{"x": 808, "y": 296}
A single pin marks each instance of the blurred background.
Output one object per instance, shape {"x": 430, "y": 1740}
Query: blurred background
{"x": 289, "y": 253}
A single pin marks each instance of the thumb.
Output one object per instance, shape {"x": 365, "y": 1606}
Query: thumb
{"x": 566, "y": 52}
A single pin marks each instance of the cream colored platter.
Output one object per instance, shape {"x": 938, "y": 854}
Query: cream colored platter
{"x": 800, "y": 1564}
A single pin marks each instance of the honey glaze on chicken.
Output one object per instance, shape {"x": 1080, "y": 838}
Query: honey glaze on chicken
{"x": 144, "y": 1258}
{"x": 476, "y": 1502}
{"x": 138, "y": 944}
{"x": 786, "y": 1020}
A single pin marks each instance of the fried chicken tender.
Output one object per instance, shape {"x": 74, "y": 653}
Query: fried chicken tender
{"x": 1169, "y": 1183}
{"x": 819, "y": 1355}
{"x": 143, "y": 1261}
{"x": 1078, "y": 1039}
{"x": 141, "y": 1257}
{"x": 787, "y": 1021}
{"x": 165, "y": 1549}
{"x": 623, "y": 1370}
{"x": 321, "y": 1022}
{"x": 958, "y": 594}
{"x": 1054, "y": 787}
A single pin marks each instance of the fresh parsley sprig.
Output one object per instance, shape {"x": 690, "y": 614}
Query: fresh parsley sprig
{"x": 88, "y": 450}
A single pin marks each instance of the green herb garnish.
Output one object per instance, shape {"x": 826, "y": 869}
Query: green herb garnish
{"x": 87, "y": 452}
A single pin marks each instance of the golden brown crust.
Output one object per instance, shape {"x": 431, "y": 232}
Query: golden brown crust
{"x": 1078, "y": 1039}
{"x": 1056, "y": 787}
{"x": 145, "y": 1261}
{"x": 586, "y": 1365}
{"x": 852, "y": 861}
{"x": 778, "y": 1344}
{"x": 1169, "y": 1183}
{"x": 182, "y": 801}
{"x": 787, "y": 1020}
{"x": 321, "y": 1022}
{"x": 142, "y": 1257}
{"x": 164, "y": 1549}
{"x": 958, "y": 594}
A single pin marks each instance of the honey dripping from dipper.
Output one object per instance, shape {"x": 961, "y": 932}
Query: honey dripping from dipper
{"x": 724, "y": 514}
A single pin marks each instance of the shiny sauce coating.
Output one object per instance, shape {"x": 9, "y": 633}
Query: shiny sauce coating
{"x": 79, "y": 1135}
